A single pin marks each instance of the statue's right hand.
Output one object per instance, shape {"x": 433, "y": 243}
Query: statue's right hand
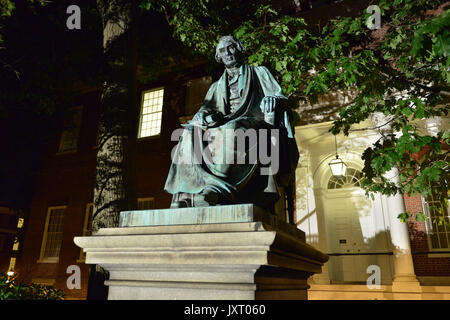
{"x": 268, "y": 104}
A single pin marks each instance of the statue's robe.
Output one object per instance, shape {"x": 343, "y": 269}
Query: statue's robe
{"x": 236, "y": 183}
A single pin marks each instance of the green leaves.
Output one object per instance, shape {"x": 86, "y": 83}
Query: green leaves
{"x": 421, "y": 217}
{"x": 145, "y": 4}
{"x": 6, "y": 8}
{"x": 435, "y": 29}
{"x": 10, "y": 290}
{"x": 404, "y": 217}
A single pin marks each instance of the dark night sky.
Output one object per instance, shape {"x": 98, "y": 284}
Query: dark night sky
{"x": 41, "y": 56}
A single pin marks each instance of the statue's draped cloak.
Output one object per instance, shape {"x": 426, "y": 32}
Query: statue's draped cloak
{"x": 238, "y": 182}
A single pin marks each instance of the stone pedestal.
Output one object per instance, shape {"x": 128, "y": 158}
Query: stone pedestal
{"x": 225, "y": 252}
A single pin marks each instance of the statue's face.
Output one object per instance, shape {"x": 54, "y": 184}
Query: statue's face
{"x": 229, "y": 53}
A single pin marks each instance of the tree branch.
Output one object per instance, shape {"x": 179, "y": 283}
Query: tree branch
{"x": 374, "y": 128}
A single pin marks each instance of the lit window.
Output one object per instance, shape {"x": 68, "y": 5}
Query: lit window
{"x": 438, "y": 231}
{"x": 12, "y": 264}
{"x": 69, "y": 137}
{"x": 16, "y": 244}
{"x": 20, "y": 223}
{"x": 146, "y": 203}
{"x": 52, "y": 240}
{"x": 151, "y": 113}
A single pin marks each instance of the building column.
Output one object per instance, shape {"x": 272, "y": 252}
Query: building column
{"x": 404, "y": 277}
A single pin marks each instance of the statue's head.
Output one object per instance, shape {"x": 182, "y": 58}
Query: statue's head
{"x": 230, "y": 52}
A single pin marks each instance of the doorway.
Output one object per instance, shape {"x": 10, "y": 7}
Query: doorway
{"x": 357, "y": 235}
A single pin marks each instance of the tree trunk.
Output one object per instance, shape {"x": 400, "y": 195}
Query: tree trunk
{"x": 115, "y": 181}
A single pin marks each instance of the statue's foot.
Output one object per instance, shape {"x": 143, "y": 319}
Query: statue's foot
{"x": 206, "y": 198}
{"x": 180, "y": 204}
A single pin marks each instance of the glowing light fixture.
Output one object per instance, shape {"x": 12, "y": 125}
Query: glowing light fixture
{"x": 337, "y": 166}
{"x": 10, "y": 273}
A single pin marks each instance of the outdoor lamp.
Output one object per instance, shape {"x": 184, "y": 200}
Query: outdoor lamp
{"x": 337, "y": 166}
{"x": 10, "y": 273}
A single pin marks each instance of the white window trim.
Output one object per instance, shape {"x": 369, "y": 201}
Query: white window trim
{"x": 42, "y": 259}
{"x": 141, "y": 115}
{"x": 82, "y": 257}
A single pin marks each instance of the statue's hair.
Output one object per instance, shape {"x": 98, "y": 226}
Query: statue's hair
{"x": 239, "y": 46}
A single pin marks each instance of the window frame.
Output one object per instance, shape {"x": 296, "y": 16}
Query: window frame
{"x": 89, "y": 205}
{"x": 429, "y": 229}
{"x": 146, "y": 199}
{"x": 346, "y": 184}
{"x": 65, "y": 132}
{"x": 16, "y": 244}
{"x": 12, "y": 263}
{"x": 43, "y": 259}
{"x": 141, "y": 115}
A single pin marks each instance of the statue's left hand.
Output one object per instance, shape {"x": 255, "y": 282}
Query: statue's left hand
{"x": 268, "y": 104}
{"x": 214, "y": 118}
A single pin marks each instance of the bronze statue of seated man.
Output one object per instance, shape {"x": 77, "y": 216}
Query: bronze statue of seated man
{"x": 222, "y": 156}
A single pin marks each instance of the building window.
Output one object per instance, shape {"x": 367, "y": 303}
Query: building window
{"x": 20, "y": 223}
{"x": 146, "y": 203}
{"x": 195, "y": 94}
{"x": 87, "y": 226}
{"x": 352, "y": 178}
{"x": 51, "y": 243}
{"x": 438, "y": 222}
{"x": 16, "y": 244}
{"x": 12, "y": 264}
{"x": 151, "y": 113}
{"x": 69, "y": 137}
